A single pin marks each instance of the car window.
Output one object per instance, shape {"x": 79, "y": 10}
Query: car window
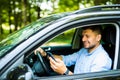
{"x": 23, "y": 34}
{"x": 62, "y": 39}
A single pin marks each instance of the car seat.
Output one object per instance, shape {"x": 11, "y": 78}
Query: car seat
{"x": 109, "y": 39}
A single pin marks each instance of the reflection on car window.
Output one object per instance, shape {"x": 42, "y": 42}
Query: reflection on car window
{"x": 63, "y": 39}
{"x": 16, "y": 38}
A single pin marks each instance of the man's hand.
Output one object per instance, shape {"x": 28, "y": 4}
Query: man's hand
{"x": 42, "y": 52}
{"x": 58, "y": 65}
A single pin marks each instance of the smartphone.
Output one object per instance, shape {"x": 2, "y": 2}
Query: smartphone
{"x": 50, "y": 55}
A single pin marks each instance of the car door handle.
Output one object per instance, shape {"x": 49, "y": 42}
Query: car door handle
{"x": 48, "y": 49}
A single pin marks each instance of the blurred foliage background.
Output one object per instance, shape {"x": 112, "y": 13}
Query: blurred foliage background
{"x": 15, "y": 14}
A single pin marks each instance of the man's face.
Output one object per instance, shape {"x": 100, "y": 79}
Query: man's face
{"x": 90, "y": 39}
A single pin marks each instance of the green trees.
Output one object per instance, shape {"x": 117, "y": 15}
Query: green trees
{"x": 65, "y": 5}
{"x": 14, "y": 14}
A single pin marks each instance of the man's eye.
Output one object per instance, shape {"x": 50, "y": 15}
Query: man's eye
{"x": 87, "y": 36}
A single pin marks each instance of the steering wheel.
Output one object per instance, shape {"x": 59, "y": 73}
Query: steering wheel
{"x": 42, "y": 62}
{"x": 42, "y": 66}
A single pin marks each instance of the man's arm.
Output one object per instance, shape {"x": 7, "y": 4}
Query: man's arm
{"x": 44, "y": 54}
{"x": 58, "y": 65}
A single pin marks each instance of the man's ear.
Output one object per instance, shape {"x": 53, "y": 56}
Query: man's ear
{"x": 99, "y": 37}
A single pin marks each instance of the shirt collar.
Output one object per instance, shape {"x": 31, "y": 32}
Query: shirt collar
{"x": 88, "y": 54}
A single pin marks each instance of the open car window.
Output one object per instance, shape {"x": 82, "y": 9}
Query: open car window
{"x": 108, "y": 41}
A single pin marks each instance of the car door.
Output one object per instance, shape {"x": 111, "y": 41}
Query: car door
{"x": 107, "y": 75}
{"x": 112, "y": 74}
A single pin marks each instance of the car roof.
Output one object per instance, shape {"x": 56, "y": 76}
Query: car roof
{"x": 115, "y": 7}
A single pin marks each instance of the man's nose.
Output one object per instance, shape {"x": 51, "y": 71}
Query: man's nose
{"x": 83, "y": 38}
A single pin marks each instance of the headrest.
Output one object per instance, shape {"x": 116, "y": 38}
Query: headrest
{"x": 109, "y": 35}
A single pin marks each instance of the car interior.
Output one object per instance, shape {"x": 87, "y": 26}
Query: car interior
{"x": 108, "y": 42}
{"x": 40, "y": 65}
{"x": 109, "y": 39}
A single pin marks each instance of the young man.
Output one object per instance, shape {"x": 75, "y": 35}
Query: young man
{"x": 91, "y": 58}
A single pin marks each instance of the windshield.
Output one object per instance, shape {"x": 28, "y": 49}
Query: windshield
{"x": 19, "y": 36}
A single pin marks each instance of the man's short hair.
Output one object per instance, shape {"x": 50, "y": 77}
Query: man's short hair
{"x": 96, "y": 28}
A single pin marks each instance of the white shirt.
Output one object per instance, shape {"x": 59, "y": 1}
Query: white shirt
{"x": 97, "y": 60}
